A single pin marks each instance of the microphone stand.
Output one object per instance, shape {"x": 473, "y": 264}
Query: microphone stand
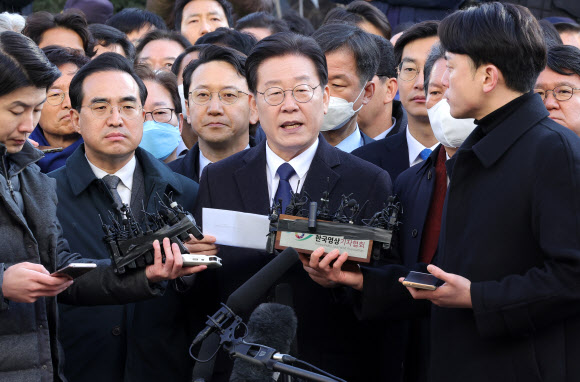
{"x": 264, "y": 355}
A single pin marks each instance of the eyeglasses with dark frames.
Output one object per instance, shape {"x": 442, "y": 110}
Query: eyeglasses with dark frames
{"x": 161, "y": 115}
{"x": 561, "y": 93}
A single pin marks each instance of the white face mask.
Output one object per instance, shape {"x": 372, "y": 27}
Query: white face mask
{"x": 340, "y": 111}
{"x": 181, "y": 97}
{"x": 449, "y": 131}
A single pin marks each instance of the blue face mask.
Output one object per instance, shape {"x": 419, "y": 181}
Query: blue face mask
{"x": 160, "y": 139}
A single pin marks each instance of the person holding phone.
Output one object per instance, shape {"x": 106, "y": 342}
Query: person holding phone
{"x": 32, "y": 242}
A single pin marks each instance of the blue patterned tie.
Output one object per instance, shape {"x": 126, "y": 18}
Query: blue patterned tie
{"x": 284, "y": 191}
{"x": 425, "y": 153}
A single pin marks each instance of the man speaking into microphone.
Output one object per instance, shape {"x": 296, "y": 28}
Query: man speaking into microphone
{"x": 287, "y": 77}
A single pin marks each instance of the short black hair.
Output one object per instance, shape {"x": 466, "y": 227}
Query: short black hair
{"x": 567, "y": 27}
{"x": 262, "y": 20}
{"x": 418, "y": 31}
{"x": 159, "y": 34}
{"x": 179, "y": 59}
{"x": 210, "y": 54}
{"x": 505, "y": 35}
{"x": 132, "y": 19}
{"x": 358, "y": 12}
{"x": 335, "y": 37}
{"x": 73, "y": 19}
{"x": 564, "y": 59}
{"x": 387, "y": 67}
{"x": 231, "y": 38}
{"x": 164, "y": 78}
{"x": 437, "y": 52}
{"x": 281, "y": 44}
{"x": 551, "y": 35}
{"x": 297, "y": 23}
{"x": 106, "y": 62}
{"x": 106, "y": 35}
{"x": 59, "y": 56}
{"x": 180, "y": 5}
{"x": 23, "y": 64}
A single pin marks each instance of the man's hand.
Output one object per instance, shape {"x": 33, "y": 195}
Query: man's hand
{"x": 26, "y": 282}
{"x": 455, "y": 293}
{"x": 172, "y": 268}
{"x": 329, "y": 275}
{"x": 205, "y": 246}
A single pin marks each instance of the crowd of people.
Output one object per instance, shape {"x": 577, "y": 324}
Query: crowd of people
{"x": 472, "y": 121}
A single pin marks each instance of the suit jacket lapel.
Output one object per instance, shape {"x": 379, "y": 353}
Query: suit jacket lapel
{"x": 252, "y": 182}
{"x": 321, "y": 176}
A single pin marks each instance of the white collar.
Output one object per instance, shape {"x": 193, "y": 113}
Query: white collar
{"x": 352, "y": 142}
{"x": 415, "y": 148}
{"x": 300, "y": 163}
{"x": 125, "y": 173}
{"x": 203, "y": 161}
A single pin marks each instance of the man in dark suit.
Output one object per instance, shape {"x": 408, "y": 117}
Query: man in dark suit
{"x": 145, "y": 341}
{"x": 422, "y": 189}
{"x": 217, "y": 108}
{"x": 353, "y": 58}
{"x": 509, "y": 308}
{"x": 383, "y": 116}
{"x": 414, "y": 143}
{"x": 287, "y": 77}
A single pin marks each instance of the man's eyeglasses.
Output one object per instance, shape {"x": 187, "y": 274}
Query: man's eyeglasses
{"x": 128, "y": 110}
{"x": 161, "y": 115}
{"x": 55, "y": 97}
{"x": 561, "y": 93}
{"x": 226, "y": 96}
{"x": 302, "y": 93}
{"x": 408, "y": 71}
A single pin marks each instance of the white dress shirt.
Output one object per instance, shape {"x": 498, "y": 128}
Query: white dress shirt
{"x": 203, "y": 161}
{"x": 125, "y": 173}
{"x": 415, "y": 148}
{"x": 300, "y": 163}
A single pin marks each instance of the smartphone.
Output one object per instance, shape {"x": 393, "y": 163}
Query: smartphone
{"x": 422, "y": 281}
{"x": 192, "y": 259}
{"x": 74, "y": 270}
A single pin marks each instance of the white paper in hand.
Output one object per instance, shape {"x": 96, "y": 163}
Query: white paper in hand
{"x": 236, "y": 229}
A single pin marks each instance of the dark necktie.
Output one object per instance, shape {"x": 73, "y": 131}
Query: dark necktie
{"x": 112, "y": 182}
{"x": 284, "y": 191}
{"x": 425, "y": 153}
{"x": 432, "y": 228}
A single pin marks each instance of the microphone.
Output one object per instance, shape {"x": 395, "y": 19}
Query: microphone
{"x": 249, "y": 294}
{"x": 273, "y": 325}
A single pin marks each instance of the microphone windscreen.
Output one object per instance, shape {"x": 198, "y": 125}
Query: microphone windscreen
{"x": 272, "y": 325}
{"x": 249, "y": 294}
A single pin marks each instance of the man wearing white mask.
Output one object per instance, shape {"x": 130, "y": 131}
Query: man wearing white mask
{"x": 422, "y": 191}
{"x": 401, "y": 151}
{"x": 352, "y": 58}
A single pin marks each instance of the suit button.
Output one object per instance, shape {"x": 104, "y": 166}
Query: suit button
{"x": 429, "y": 175}
{"x": 414, "y": 233}
{"x": 116, "y": 331}
{"x": 44, "y": 367}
